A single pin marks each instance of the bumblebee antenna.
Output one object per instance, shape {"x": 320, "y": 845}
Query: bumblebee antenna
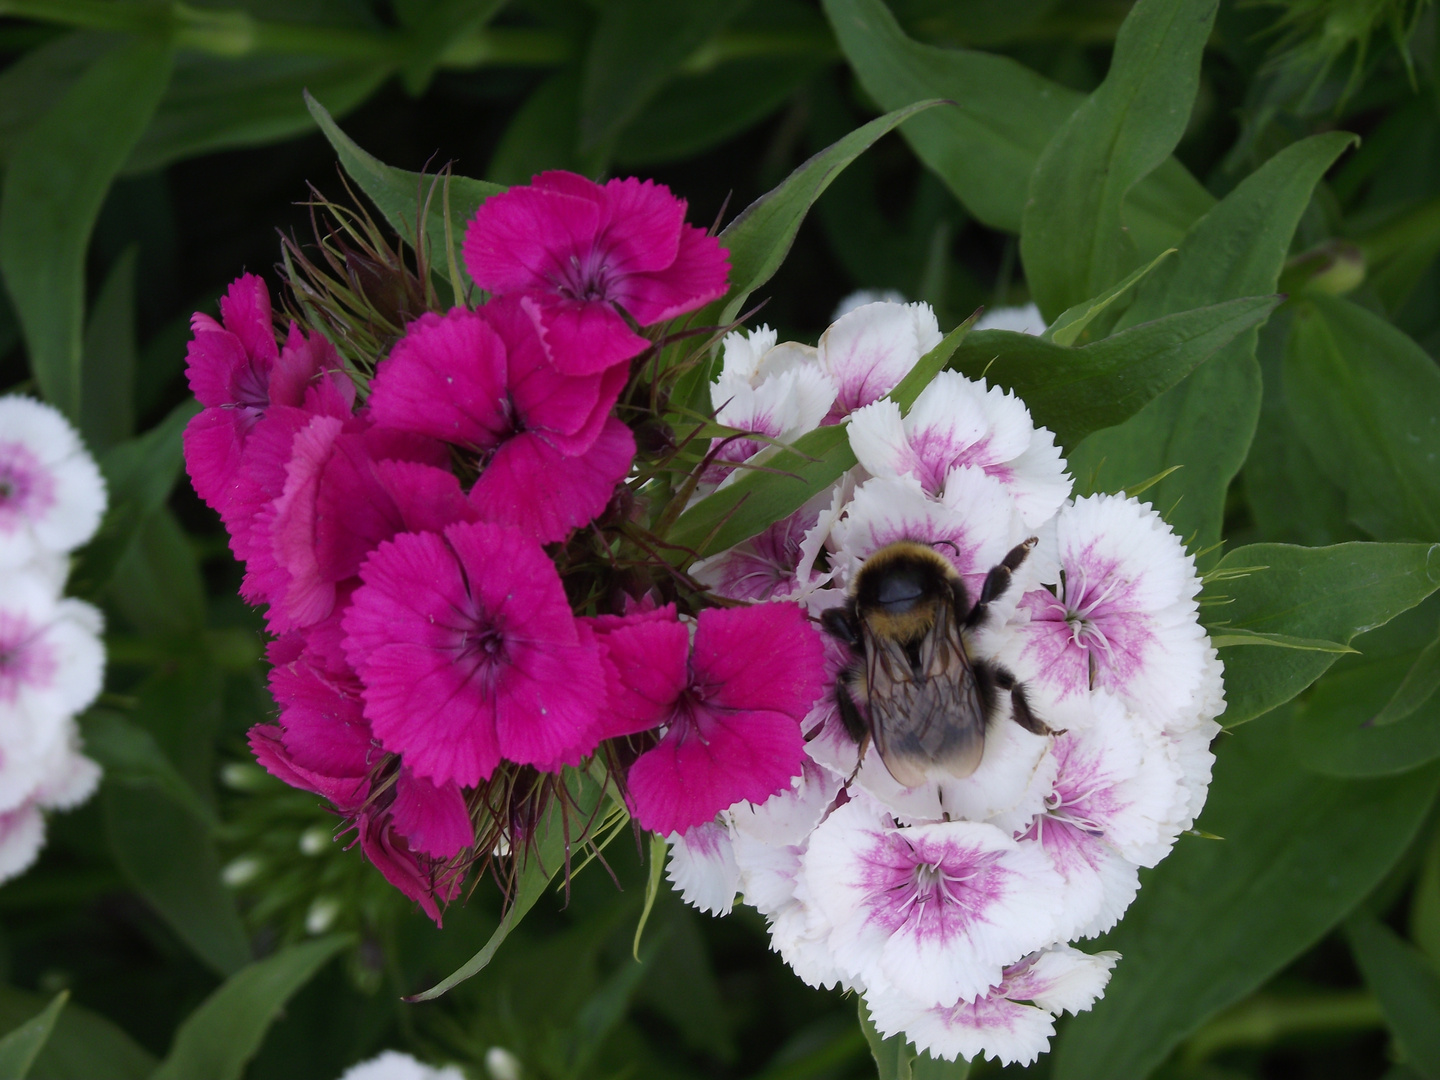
{"x": 953, "y": 546}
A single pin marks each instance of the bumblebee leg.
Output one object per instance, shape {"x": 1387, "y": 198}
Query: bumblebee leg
{"x": 841, "y": 624}
{"x": 1020, "y": 704}
{"x": 855, "y": 724}
{"x": 997, "y": 581}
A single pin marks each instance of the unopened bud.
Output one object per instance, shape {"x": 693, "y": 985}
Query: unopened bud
{"x": 321, "y": 915}
{"x": 501, "y": 1064}
{"x": 241, "y": 871}
{"x": 314, "y": 840}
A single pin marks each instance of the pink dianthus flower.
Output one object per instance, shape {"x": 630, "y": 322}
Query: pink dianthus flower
{"x": 468, "y": 653}
{"x": 729, "y": 708}
{"x": 585, "y": 250}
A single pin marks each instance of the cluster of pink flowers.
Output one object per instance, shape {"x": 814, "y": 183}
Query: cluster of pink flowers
{"x": 950, "y": 905}
{"x": 407, "y": 520}
{"x": 52, "y": 661}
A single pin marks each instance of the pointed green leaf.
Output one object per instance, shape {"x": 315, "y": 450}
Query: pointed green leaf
{"x": 1418, "y": 687}
{"x": 1205, "y": 424}
{"x": 83, "y": 1045}
{"x": 1331, "y": 726}
{"x": 1067, "y": 329}
{"x": 399, "y": 195}
{"x": 440, "y": 24}
{"x": 1365, "y": 399}
{"x": 791, "y": 475}
{"x": 1074, "y": 391}
{"x": 57, "y": 178}
{"x": 1225, "y": 638}
{"x": 20, "y": 1047}
{"x": 1330, "y": 594}
{"x": 130, "y": 755}
{"x": 1074, "y": 238}
{"x": 219, "y": 1038}
{"x": 760, "y": 237}
{"x": 541, "y": 134}
{"x": 1001, "y": 115}
{"x": 1218, "y": 918}
{"x": 658, "y": 848}
{"x": 1408, "y": 986}
{"x": 540, "y": 865}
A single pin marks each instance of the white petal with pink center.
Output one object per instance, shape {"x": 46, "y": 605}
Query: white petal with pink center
{"x": 957, "y": 422}
{"x": 935, "y": 911}
{"x": 51, "y": 491}
{"x": 782, "y": 407}
{"x": 866, "y": 352}
{"x": 974, "y": 527}
{"x": 702, "y": 867}
{"x": 788, "y": 817}
{"x": 779, "y": 562}
{"x": 1001, "y": 1024}
{"x": 1120, "y": 615}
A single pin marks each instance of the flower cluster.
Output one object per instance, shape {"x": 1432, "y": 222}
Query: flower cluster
{"x": 435, "y": 535}
{"x": 950, "y": 905}
{"x": 51, "y": 659}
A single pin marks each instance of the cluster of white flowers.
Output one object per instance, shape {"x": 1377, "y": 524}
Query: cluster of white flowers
{"x": 951, "y": 906}
{"x": 51, "y": 659}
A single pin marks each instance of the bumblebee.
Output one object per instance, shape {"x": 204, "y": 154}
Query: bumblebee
{"x": 913, "y": 688}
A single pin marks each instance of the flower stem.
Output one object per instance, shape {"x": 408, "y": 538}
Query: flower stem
{"x": 1266, "y": 1019}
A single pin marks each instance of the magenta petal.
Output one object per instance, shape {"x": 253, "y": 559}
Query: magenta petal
{"x": 213, "y": 359}
{"x": 533, "y": 486}
{"x": 521, "y": 238}
{"x": 245, "y": 311}
{"x": 767, "y": 656}
{"x": 305, "y": 359}
{"x": 414, "y": 875}
{"x": 347, "y": 793}
{"x": 645, "y": 224}
{"x": 586, "y": 336}
{"x": 647, "y": 662}
{"x": 432, "y": 819}
{"x": 212, "y": 455}
{"x": 698, "y": 275}
{"x": 687, "y": 780}
{"x": 324, "y": 729}
{"x": 445, "y": 378}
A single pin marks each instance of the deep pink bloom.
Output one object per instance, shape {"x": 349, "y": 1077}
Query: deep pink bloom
{"x": 469, "y": 653}
{"x": 423, "y": 879}
{"x": 549, "y": 451}
{"x": 347, "y": 793}
{"x": 584, "y": 250}
{"x": 347, "y": 489}
{"x": 237, "y": 372}
{"x": 730, "y": 714}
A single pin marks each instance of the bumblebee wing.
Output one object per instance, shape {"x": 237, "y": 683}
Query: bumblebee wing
{"x": 930, "y": 718}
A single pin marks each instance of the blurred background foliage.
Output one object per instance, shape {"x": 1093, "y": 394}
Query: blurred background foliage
{"x": 197, "y": 912}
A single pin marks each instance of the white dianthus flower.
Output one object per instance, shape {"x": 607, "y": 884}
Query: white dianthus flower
{"x": 51, "y": 491}
{"x": 866, "y": 352}
{"x": 1022, "y": 319}
{"x": 395, "y": 1065}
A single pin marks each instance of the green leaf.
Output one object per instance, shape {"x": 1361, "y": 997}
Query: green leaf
{"x": 130, "y": 755}
{"x": 157, "y": 585}
{"x": 542, "y": 134}
{"x": 1074, "y": 391}
{"x": 439, "y": 24}
{"x": 399, "y": 195}
{"x": 986, "y": 143}
{"x": 1418, "y": 686}
{"x": 636, "y": 47}
{"x": 896, "y": 1059}
{"x": 217, "y": 1040}
{"x": 658, "y": 848}
{"x": 57, "y": 178}
{"x": 20, "y": 1047}
{"x": 107, "y": 364}
{"x": 1067, "y": 329}
{"x": 83, "y": 1045}
{"x": 1365, "y": 399}
{"x": 212, "y": 105}
{"x": 540, "y": 864}
{"x": 791, "y": 475}
{"x": 1206, "y": 423}
{"x": 1330, "y": 594}
{"x": 1218, "y": 918}
{"x": 1074, "y": 238}
{"x": 1408, "y": 987}
{"x": 760, "y": 237}
{"x": 1331, "y": 727}
{"x": 40, "y": 77}
{"x": 169, "y": 858}
{"x": 1225, "y": 638}
{"x": 139, "y": 475}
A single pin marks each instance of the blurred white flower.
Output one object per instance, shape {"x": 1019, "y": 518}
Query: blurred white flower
{"x": 51, "y": 491}
{"x": 861, "y": 297}
{"x": 394, "y": 1065}
{"x": 1024, "y": 319}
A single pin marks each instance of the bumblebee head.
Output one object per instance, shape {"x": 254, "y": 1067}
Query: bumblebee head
{"x": 899, "y": 588}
